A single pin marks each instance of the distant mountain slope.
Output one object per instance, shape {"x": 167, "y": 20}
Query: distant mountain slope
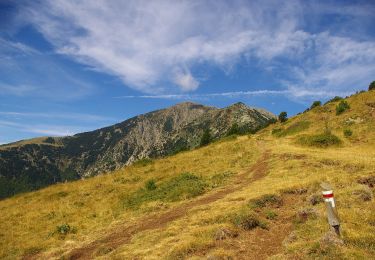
{"x": 32, "y": 164}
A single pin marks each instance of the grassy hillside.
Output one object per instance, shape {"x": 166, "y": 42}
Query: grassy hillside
{"x": 241, "y": 197}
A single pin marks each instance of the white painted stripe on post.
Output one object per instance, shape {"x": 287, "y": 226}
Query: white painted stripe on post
{"x": 327, "y": 192}
{"x": 331, "y": 200}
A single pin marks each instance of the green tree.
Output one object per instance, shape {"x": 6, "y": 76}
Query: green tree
{"x": 206, "y": 137}
{"x": 283, "y": 116}
{"x": 371, "y": 86}
{"x": 316, "y": 104}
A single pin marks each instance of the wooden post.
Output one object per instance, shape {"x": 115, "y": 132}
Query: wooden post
{"x": 332, "y": 215}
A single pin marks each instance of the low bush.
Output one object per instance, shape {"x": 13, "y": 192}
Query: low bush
{"x": 65, "y": 229}
{"x": 371, "y": 86}
{"x": 315, "y": 199}
{"x": 364, "y": 193}
{"x": 335, "y": 99}
{"x": 342, "y": 107}
{"x": 348, "y": 132}
{"x": 320, "y": 140}
{"x": 315, "y": 104}
{"x": 246, "y": 220}
{"x": 305, "y": 214}
{"x": 150, "y": 185}
{"x": 368, "y": 180}
{"x": 266, "y": 200}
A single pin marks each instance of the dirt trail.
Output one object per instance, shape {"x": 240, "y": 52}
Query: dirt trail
{"x": 121, "y": 236}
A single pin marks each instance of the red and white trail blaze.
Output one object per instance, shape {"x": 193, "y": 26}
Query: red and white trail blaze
{"x": 328, "y": 197}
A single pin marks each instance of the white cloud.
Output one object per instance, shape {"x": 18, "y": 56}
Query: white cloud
{"x": 70, "y": 116}
{"x": 292, "y": 91}
{"x": 145, "y": 42}
{"x": 186, "y": 81}
{"x": 54, "y": 130}
{"x": 27, "y": 72}
{"x": 18, "y": 90}
{"x": 151, "y": 45}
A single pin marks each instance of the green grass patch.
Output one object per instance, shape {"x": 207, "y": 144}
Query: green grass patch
{"x": 292, "y": 129}
{"x": 320, "y": 140}
{"x": 183, "y": 186}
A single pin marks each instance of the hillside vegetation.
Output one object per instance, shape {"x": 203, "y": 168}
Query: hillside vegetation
{"x": 253, "y": 196}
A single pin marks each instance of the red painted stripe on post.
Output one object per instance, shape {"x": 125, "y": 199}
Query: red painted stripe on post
{"x": 328, "y": 195}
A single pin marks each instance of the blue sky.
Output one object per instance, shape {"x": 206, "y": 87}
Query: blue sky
{"x": 73, "y": 66}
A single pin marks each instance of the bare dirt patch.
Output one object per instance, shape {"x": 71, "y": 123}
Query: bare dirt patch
{"x": 261, "y": 243}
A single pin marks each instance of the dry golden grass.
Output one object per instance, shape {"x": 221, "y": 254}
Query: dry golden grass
{"x": 95, "y": 206}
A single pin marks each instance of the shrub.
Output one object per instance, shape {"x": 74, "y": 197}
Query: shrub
{"x": 206, "y": 137}
{"x": 320, "y": 140}
{"x": 335, "y": 99}
{"x": 150, "y": 185}
{"x": 315, "y": 104}
{"x": 348, "y": 132}
{"x": 305, "y": 214}
{"x": 342, "y": 107}
{"x": 283, "y": 117}
{"x": 268, "y": 199}
{"x": 364, "y": 193}
{"x": 245, "y": 220}
{"x": 234, "y": 130}
{"x": 65, "y": 229}
{"x": 368, "y": 180}
{"x": 315, "y": 199}
{"x": 371, "y": 86}
{"x": 49, "y": 140}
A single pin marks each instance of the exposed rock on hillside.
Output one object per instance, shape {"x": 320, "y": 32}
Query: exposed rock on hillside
{"x": 31, "y": 165}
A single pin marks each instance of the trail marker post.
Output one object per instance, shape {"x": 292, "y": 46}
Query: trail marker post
{"x": 332, "y": 215}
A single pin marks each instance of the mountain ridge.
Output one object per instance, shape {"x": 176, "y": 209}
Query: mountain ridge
{"x": 27, "y": 166}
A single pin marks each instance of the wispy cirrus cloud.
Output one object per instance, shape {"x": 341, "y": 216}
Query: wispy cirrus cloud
{"x": 296, "y": 92}
{"x": 27, "y": 72}
{"x": 70, "y": 116}
{"x": 154, "y": 46}
{"x": 41, "y": 129}
{"x": 156, "y": 43}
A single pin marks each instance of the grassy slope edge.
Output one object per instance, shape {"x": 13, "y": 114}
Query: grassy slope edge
{"x": 270, "y": 216}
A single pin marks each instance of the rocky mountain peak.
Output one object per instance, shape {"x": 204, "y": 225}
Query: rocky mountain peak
{"x": 155, "y": 134}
